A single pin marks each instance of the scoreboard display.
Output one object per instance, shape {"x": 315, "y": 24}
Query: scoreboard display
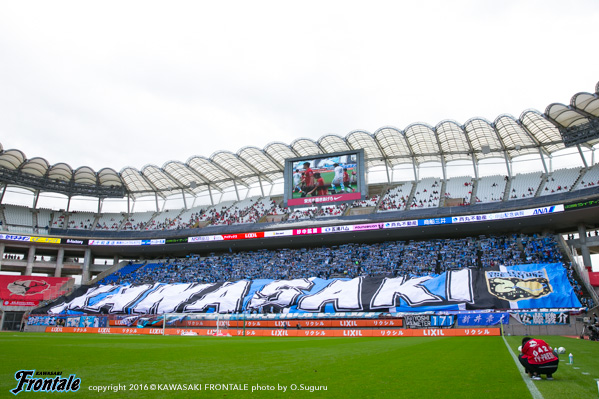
{"x": 325, "y": 179}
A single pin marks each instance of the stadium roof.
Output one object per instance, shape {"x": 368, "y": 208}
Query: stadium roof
{"x": 475, "y": 140}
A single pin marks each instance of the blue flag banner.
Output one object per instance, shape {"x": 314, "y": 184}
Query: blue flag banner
{"x": 483, "y": 319}
{"x": 542, "y": 318}
{"x": 533, "y": 286}
{"x": 517, "y": 288}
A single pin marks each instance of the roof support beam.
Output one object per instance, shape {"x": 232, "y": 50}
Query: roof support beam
{"x": 584, "y": 161}
{"x": 36, "y": 198}
{"x": 184, "y": 200}
{"x": 543, "y": 160}
{"x": 387, "y": 170}
{"x": 504, "y": 149}
{"x": 474, "y": 166}
{"x": 507, "y": 164}
{"x": 443, "y": 164}
{"x": 537, "y": 143}
{"x": 3, "y": 192}
{"x": 443, "y": 167}
{"x": 261, "y": 188}
{"x": 416, "y": 174}
{"x": 210, "y": 194}
{"x": 385, "y": 156}
{"x": 236, "y": 191}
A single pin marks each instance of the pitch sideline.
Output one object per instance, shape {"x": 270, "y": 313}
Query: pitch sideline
{"x": 534, "y": 391}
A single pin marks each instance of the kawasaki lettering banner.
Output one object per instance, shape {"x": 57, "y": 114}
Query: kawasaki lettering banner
{"x": 518, "y": 287}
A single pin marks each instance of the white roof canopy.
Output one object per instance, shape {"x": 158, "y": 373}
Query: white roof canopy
{"x": 475, "y": 140}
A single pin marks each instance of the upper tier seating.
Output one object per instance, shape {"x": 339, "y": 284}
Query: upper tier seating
{"x": 396, "y": 198}
{"x": 459, "y": 187}
{"x": 490, "y": 189}
{"x": 427, "y": 193}
{"x": 560, "y": 181}
{"x": 590, "y": 178}
{"x": 525, "y": 185}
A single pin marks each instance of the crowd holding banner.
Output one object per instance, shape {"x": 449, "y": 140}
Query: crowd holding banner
{"x": 518, "y": 287}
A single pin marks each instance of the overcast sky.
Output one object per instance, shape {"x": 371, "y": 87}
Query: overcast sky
{"x": 115, "y": 84}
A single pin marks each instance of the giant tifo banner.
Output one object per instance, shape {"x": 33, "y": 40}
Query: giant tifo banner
{"x": 517, "y": 287}
{"x": 30, "y": 290}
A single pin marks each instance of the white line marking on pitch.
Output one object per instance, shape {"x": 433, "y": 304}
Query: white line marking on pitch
{"x": 534, "y": 391}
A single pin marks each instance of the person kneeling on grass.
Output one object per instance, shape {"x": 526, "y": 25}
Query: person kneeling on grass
{"x": 538, "y": 358}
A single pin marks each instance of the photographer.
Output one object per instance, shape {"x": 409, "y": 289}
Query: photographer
{"x": 538, "y": 358}
{"x": 593, "y": 332}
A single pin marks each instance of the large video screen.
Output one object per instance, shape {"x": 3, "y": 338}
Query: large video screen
{"x": 325, "y": 179}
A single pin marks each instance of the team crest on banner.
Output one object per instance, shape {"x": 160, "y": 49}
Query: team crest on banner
{"x": 28, "y": 287}
{"x": 516, "y": 285}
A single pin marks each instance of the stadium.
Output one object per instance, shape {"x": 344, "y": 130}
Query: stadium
{"x": 435, "y": 236}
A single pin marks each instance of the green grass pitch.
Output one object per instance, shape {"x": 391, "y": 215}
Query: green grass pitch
{"x": 328, "y": 178}
{"x": 432, "y": 367}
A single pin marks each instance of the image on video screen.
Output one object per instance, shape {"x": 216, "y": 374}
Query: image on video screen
{"x": 325, "y": 176}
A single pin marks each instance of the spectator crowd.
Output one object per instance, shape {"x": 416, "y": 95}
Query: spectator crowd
{"x": 392, "y": 258}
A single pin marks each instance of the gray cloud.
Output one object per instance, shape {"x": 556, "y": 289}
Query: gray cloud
{"x": 118, "y": 84}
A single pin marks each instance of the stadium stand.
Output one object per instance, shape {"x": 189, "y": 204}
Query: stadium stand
{"x": 427, "y": 193}
{"x": 215, "y": 214}
{"x": 58, "y": 220}
{"x": 561, "y": 180}
{"x": 403, "y": 229}
{"x": 365, "y": 203}
{"x": 190, "y": 217}
{"x": 44, "y": 219}
{"x": 525, "y": 185}
{"x": 413, "y": 258}
{"x": 18, "y": 218}
{"x": 590, "y": 178}
{"x": 127, "y": 270}
{"x": 110, "y": 221}
{"x": 315, "y": 212}
{"x": 459, "y": 188}
{"x": 396, "y": 198}
{"x": 139, "y": 221}
{"x": 253, "y": 212}
{"x": 234, "y": 213}
{"x": 264, "y": 206}
{"x": 81, "y": 220}
{"x": 491, "y": 189}
{"x": 277, "y": 209}
{"x": 331, "y": 210}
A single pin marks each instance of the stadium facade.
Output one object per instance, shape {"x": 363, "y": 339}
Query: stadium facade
{"x": 389, "y": 152}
